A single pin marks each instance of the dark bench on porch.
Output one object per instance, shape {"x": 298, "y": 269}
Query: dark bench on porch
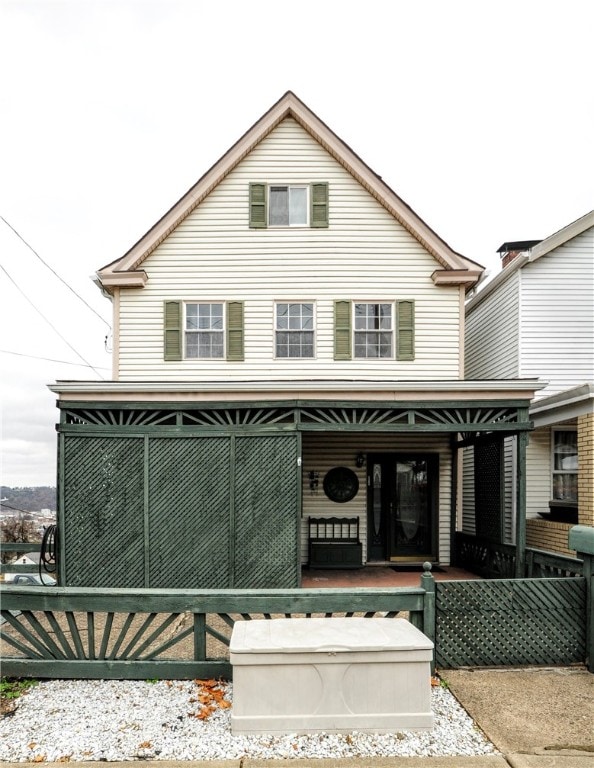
{"x": 334, "y": 542}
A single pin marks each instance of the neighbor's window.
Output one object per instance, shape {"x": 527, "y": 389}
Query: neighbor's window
{"x": 565, "y": 465}
{"x": 287, "y": 206}
{"x": 373, "y": 330}
{"x": 204, "y": 330}
{"x": 294, "y": 329}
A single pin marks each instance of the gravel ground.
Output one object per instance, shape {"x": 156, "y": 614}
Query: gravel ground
{"x": 65, "y": 720}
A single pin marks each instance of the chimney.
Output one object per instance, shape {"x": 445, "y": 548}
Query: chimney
{"x": 509, "y": 251}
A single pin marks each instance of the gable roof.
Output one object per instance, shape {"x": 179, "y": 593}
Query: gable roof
{"x": 531, "y": 254}
{"x": 455, "y": 268}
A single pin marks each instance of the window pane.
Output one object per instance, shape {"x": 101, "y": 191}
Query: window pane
{"x": 279, "y": 207}
{"x": 565, "y": 450}
{"x": 298, "y": 206}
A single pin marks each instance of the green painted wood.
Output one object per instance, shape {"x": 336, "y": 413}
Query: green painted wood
{"x": 103, "y": 511}
{"x": 235, "y": 331}
{"x": 172, "y": 330}
{"x": 189, "y": 483}
{"x": 143, "y": 628}
{"x": 266, "y": 514}
{"x": 513, "y": 622}
{"x": 521, "y": 447}
{"x": 342, "y": 331}
{"x": 258, "y": 217}
{"x": 118, "y": 670}
{"x": 319, "y": 206}
{"x": 405, "y": 330}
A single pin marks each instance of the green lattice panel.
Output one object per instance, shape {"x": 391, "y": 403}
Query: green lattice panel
{"x": 511, "y": 622}
{"x": 266, "y": 514}
{"x": 488, "y": 493}
{"x": 103, "y": 512}
{"x": 189, "y": 513}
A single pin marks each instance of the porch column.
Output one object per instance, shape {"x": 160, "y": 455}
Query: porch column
{"x": 522, "y": 442}
{"x": 585, "y": 437}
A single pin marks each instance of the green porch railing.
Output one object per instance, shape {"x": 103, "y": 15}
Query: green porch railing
{"x": 493, "y": 560}
{"x": 16, "y": 549}
{"x": 169, "y": 634}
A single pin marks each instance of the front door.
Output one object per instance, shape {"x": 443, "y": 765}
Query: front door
{"x": 402, "y": 496}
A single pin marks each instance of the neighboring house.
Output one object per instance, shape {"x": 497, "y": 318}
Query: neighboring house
{"x": 30, "y": 558}
{"x": 536, "y": 318}
{"x": 288, "y": 342}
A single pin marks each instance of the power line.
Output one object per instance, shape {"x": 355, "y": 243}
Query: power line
{"x": 50, "y": 359}
{"x": 86, "y": 362}
{"x": 45, "y": 264}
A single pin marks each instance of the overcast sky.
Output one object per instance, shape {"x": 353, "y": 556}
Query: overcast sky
{"x": 480, "y": 115}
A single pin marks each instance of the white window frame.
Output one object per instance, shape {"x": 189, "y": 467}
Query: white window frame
{"x": 300, "y": 331}
{"x": 205, "y": 330}
{"x": 288, "y": 187}
{"x": 368, "y": 331}
{"x": 564, "y": 471}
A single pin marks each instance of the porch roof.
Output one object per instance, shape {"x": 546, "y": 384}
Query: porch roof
{"x": 345, "y": 390}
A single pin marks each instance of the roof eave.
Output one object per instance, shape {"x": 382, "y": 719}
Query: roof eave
{"x": 288, "y": 105}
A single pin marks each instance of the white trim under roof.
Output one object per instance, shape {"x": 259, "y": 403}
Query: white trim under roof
{"x": 563, "y": 406}
{"x": 500, "y": 389}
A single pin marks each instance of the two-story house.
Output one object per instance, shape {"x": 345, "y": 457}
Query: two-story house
{"x": 536, "y": 318}
{"x": 288, "y": 343}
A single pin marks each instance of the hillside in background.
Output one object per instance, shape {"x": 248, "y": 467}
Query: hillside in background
{"x": 28, "y": 499}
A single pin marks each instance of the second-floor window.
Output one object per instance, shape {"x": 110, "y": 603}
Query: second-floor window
{"x": 204, "y": 330}
{"x": 294, "y": 330}
{"x": 374, "y": 330}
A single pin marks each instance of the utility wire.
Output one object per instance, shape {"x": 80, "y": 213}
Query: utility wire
{"x": 16, "y": 509}
{"x": 54, "y": 272}
{"x": 50, "y": 324}
{"x": 49, "y": 359}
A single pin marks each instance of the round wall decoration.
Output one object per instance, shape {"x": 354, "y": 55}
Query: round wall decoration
{"x": 341, "y": 484}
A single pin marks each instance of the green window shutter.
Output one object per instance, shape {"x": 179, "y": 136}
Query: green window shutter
{"x": 172, "y": 330}
{"x": 405, "y": 319}
{"x": 235, "y": 330}
{"x": 319, "y": 204}
{"x": 342, "y": 330}
{"x": 258, "y": 206}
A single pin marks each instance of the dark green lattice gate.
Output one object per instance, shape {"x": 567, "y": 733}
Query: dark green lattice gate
{"x": 195, "y": 512}
{"x": 515, "y": 622}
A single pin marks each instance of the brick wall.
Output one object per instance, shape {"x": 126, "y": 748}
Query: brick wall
{"x": 586, "y": 468}
{"x": 548, "y": 535}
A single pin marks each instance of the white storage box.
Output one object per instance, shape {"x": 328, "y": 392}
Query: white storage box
{"x": 334, "y": 675}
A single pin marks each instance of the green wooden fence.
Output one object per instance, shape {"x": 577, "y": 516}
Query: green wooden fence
{"x": 169, "y": 634}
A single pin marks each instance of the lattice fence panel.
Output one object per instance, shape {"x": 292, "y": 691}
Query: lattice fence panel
{"x": 266, "y": 512}
{"x": 189, "y": 512}
{"x": 488, "y": 490}
{"x": 510, "y": 622}
{"x": 103, "y": 511}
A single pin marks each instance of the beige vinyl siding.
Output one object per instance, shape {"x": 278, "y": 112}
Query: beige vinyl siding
{"x": 492, "y": 334}
{"x": 557, "y": 330}
{"x": 364, "y": 254}
{"x": 538, "y": 472}
{"x": 321, "y": 452}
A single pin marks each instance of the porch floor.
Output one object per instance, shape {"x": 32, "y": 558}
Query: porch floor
{"x": 377, "y": 576}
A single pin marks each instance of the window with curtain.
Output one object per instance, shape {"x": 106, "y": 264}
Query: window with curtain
{"x": 565, "y": 466}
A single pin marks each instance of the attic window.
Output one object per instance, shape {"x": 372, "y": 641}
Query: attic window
{"x": 287, "y": 206}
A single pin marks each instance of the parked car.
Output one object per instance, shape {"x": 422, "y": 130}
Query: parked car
{"x": 30, "y": 580}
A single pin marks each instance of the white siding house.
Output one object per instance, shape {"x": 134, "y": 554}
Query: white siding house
{"x": 288, "y": 343}
{"x": 536, "y": 319}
